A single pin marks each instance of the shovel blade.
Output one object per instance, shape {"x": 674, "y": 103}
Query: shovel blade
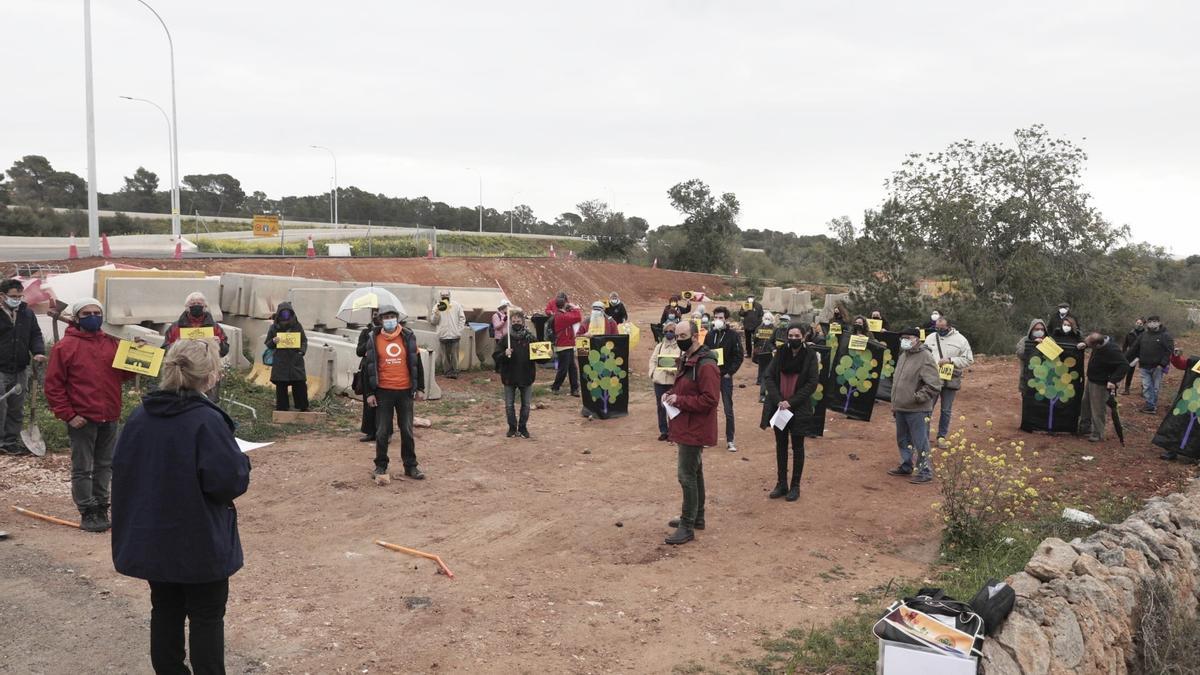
{"x": 32, "y": 438}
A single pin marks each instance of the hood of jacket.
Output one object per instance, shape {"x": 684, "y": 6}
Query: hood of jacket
{"x": 1034, "y": 322}
{"x": 171, "y": 404}
{"x": 293, "y": 322}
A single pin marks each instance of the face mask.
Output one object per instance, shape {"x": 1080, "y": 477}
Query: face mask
{"x": 718, "y": 324}
{"x": 795, "y": 343}
{"x": 768, "y": 322}
{"x": 668, "y": 336}
{"x": 876, "y": 317}
{"x": 685, "y": 343}
{"x": 518, "y": 327}
{"x": 943, "y": 331}
{"x": 1039, "y": 333}
{"x": 91, "y": 323}
{"x": 285, "y": 315}
{"x": 859, "y": 327}
{"x": 1137, "y": 326}
{"x": 935, "y": 316}
{"x": 785, "y": 319}
{"x": 1152, "y": 326}
{"x": 1066, "y": 328}
{"x": 906, "y": 344}
{"x": 750, "y": 300}
{"x": 390, "y": 324}
{"x": 596, "y": 314}
{"x": 704, "y": 325}
{"x": 196, "y": 311}
{"x": 1062, "y": 311}
{"x": 12, "y": 302}
{"x": 614, "y": 302}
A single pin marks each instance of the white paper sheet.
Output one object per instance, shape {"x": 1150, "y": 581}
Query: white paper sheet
{"x": 247, "y": 446}
{"x": 672, "y": 411}
{"x": 780, "y": 419}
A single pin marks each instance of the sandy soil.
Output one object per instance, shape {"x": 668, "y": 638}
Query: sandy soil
{"x": 556, "y": 542}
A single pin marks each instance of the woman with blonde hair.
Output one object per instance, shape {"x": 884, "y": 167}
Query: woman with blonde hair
{"x": 664, "y": 365}
{"x": 176, "y": 471}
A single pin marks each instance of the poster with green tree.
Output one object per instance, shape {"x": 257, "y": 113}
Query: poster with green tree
{"x": 1177, "y": 433}
{"x": 891, "y": 342}
{"x": 605, "y": 390}
{"x": 852, "y": 379}
{"x": 814, "y": 426}
{"x": 1051, "y": 401}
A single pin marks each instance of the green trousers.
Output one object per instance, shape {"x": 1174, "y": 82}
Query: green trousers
{"x": 691, "y": 479}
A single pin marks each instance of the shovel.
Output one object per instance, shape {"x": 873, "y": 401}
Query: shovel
{"x": 31, "y": 435}
{"x": 1116, "y": 418}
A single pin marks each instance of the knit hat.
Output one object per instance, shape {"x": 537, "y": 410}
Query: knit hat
{"x": 84, "y": 302}
{"x": 911, "y": 330}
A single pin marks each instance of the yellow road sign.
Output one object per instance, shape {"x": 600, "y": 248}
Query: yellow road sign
{"x": 266, "y": 226}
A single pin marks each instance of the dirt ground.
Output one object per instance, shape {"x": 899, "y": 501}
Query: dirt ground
{"x": 555, "y": 542}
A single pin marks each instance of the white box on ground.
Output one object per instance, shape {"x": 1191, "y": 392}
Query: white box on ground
{"x": 897, "y": 658}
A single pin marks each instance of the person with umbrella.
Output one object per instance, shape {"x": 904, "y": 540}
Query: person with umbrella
{"x": 1105, "y": 370}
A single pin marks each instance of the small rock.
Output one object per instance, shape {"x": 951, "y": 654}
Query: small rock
{"x": 1053, "y": 559}
{"x": 745, "y": 458}
{"x": 620, "y": 524}
{"x": 853, "y": 457}
{"x": 587, "y": 452}
{"x": 593, "y": 603}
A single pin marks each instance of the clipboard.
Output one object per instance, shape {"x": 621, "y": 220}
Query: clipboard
{"x": 835, "y": 329}
{"x": 667, "y": 363}
{"x": 141, "y": 359}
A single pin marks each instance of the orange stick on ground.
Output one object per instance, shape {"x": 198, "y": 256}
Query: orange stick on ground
{"x": 42, "y": 516}
{"x": 420, "y": 554}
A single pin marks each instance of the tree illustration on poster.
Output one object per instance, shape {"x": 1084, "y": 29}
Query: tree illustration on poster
{"x": 605, "y": 390}
{"x": 851, "y": 385}
{"x": 1178, "y": 431}
{"x": 1051, "y": 401}
{"x": 891, "y": 343}
{"x": 814, "y": 426}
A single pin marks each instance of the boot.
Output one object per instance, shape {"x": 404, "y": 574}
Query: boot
{"x": 102, "y": 517}
{"x": 794, "y": 493}
{"x": 674, "y": 522}
{"x": 779, "y": 491}
{"x": 680, "y": 536}
{"x": 89, "y": 522}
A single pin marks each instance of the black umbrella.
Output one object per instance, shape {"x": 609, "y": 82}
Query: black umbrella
{"x": 1112, "y": 404}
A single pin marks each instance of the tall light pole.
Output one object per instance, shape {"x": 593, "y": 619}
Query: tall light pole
{"x": 92, "y": 198}
{"x": 170, "y": 153}
{"x": 480, "y": 173}
{"x": 335, "y": 183}
{"x": 176, "y": 230}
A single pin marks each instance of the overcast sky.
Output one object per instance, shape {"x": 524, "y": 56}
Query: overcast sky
{"x": 803, "y": 109}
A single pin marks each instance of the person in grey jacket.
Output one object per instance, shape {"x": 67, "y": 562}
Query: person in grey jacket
{"x": 915, "y": 386}
{"x": 287, "y": 365}
{"x": 1152, "y": 350}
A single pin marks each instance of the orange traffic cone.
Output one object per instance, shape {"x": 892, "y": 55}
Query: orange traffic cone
{"x": 429, "y": 249}
{"x": 72, "y": 249}
{"x": 104, "y": 249}
{"x": 311, "y": 252}
{"x": 552, "y": 253}
{"x": 178, "y": 249}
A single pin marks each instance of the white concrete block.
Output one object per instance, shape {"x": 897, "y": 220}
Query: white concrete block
{"x": 132, "y": 300}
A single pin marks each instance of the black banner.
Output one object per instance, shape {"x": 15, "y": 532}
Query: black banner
{"x": 814, "y": 426}
{"x": 656, "y": 329}
{"x": 604, "y": 376}
{"x": 853, "y": 379}
{"x": 1180, "y": 430}
{"x": 1051, "y": 403}
{"x": 891, "y": 352}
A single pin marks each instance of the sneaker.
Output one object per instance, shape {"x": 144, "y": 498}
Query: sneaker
{"x": 511, "y": 432}
{"x": 1167, "y": 456}
{"x": 524, "y": 433}
{"x": 1149, "y": 410}
{"x": 575, "y": 393}
{"x": 89, "y": 522}
{"x": 942, "y": 443}
{"x": 900, "y": 471}
{"x": 674, "y": 522}
{"x": 731, "y": 447}
{"x": 920, "y": 479}
{"x": 366, "y": 438}
{"x": 414, "y": 473}
{"x": 680, "y": 536}
{"x": 15, "y": 450}
{"x": 377, "y": 471}
{"x": 1094, "y": 439}
{"x": 662, "y": 437}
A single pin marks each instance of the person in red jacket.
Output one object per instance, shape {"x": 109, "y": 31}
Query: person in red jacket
{"x": 196, "y": 315}
{"x": 84, "y": 390}
{"x": 561, "y": 328}
{"x": 696, "y": 394}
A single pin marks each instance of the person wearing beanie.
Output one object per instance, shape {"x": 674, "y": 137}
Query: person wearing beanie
{"x": 84, "y": 391}
{"x": 393, "y": 379}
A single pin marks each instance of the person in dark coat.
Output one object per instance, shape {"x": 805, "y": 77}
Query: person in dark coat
{"x": 287, "y": 367}
{"x": 751, "y": 315}
{"x": 196, "y": 315}
{"x": 722, "y": 336}
{"x": 1057, "y": 320}
{"x": 764, "y": 350}
{"x": 1152, "y": 351}
{"x": 177, "y": 470}
{"x": 616, "y": 309}
{"x": 20, "y": 342}
{"x": 1037, "y": 333}
{"x": 878, "y": 316}
{"x": 1131, "y": 338}
{"x": 696, "y": 393}
{"x": 673, "y": 311}
{"x": 368, "y": 413}
{"x": 1105, "y": 369}
{"x": 393, "y": 379}
{"x": 791, "y": 379}
{"x": 517, "y": 372}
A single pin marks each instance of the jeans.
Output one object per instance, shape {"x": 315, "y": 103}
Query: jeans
{"x": 201, "y": 604}
{"x": 659, "y": 390}
{"x": 912, "y": 437}
{"x": 510, "y": 401}
{"x": 450, "y": 350}
{"x": 727, "y": 402}
{"x": 1151, "y": 381}
{"x": 781, "y": 454}
{"x": 12, "y": 409}
{"x": 396, "y": 403}
{"x": 91, "y": 463}
{"x": 946, "y": 396}
{"x": 299, "y": 393}
{"x": 566, "y": 366}
{"x": 691, "y": 479}
{"x": 1096, "y": 410}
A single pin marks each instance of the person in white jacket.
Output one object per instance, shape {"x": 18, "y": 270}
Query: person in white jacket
{"x": 450, "y": 320}
{"x": 662, "y": 373}
{"x": 949, "y": 347}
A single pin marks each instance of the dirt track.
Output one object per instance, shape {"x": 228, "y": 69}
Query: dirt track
{"x": 546, "y": 579}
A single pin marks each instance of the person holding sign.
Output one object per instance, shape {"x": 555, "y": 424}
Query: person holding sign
{"x": 954, "y": 356}
{"x": 517, "y": 371}
{"x": 664, "y": 364}
{"x": 84, "y": 390}
{"x": 197, "y": 322}
{"x": 1106, "y": 368}
{"x": 616, "y": 309}
{"x": 791, "y": 379}
{"x": 763, "y": 350}
{"x": 726, "y": 339}
{"x": 599, "y": 323}
{"x": 695, "y": 396}
{"x": 877, "y": 324}
{"x": 393, "y": 378}
{"x": 751, "y": 315}
{"x": 1036, "y": 334}
{"x": 177, "y": 470}
{"x": 287, "y": 339}
{"x": 561, "y": 326}
{"x": 915, "y": 387}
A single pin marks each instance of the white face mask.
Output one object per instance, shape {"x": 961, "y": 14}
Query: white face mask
{"x": 1066, "y": 328}
{"x": 935, "y": 316}
{"x": 12, "y": 302}
{"x": 1039, "y": 333}
{"x": 1153, "y": 325}
{"x": 1062, "y": 311}
{"x": 718, "y": 324}
{"x": 906, "y": 343}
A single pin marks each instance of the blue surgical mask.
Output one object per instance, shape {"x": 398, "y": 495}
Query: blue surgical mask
{"x": 390, "y": 324}
{"x": 12, "y": 302}
{"x": 669, "y": 336}
{"x": 943, "y": 331}
{"x": 91, "y": 323}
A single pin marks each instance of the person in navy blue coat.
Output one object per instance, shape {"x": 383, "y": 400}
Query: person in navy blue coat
{"x": 176, "y": 471}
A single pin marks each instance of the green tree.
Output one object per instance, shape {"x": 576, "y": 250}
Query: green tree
{"x": 36, "y": 183}
{"x": 1053, "y": 380}
{"x": 881, "y": 259}
{"x": 613, "y": 234}
{"x": 604, "y": 374}
{"x": 709, "y": 227}
{"x": 139, "y": 194}
{"x": 214, "y": 194}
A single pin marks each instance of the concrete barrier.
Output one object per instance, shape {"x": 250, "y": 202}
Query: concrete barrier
{"x": 831, "y": 301}
{"x": 772, "y": 299}
{"x": 133, "y": 300}
{"x": 254, "y": 331}
{"x": 798, "y": 302}
{"x": 257, "y": 295}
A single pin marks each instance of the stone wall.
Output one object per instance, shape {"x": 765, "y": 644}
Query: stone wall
{"x": 1081, "y": 605}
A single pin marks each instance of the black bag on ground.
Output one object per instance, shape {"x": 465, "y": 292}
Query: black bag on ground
{"x": 993, "y": 603}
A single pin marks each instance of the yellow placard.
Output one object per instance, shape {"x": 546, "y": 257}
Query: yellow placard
{"x": 1196, "y": 368}
{"x": 196, "y": 333}
{"x": 1050, "y": 349}
{"x": 719, "y": 353}
{"x": 764, "y": 333}
{"x": 858, "y": 342}
{"x": 875, "y": 325}
{"x": 946, "y": 371}
{"x": 669, "y": 363}
{"x": 835, "y": 329}
{"x": 541, "y": 351}
{"x": 922, "y": 334}
{"x": 583, "y": 343}
{"x": 265, "y": 226}
{"x": 142, "y": 359}
{"x": 748, "y": 306}
{"x": 779, "y": 343}
{"x": 287, "y": 341}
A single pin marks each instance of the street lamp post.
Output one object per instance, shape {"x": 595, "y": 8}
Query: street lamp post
{"x": 176, "y": 230}
{"x": 335, "y": 182}
{"x": 93, "y": 197}
{"x": 170, "y": 153}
